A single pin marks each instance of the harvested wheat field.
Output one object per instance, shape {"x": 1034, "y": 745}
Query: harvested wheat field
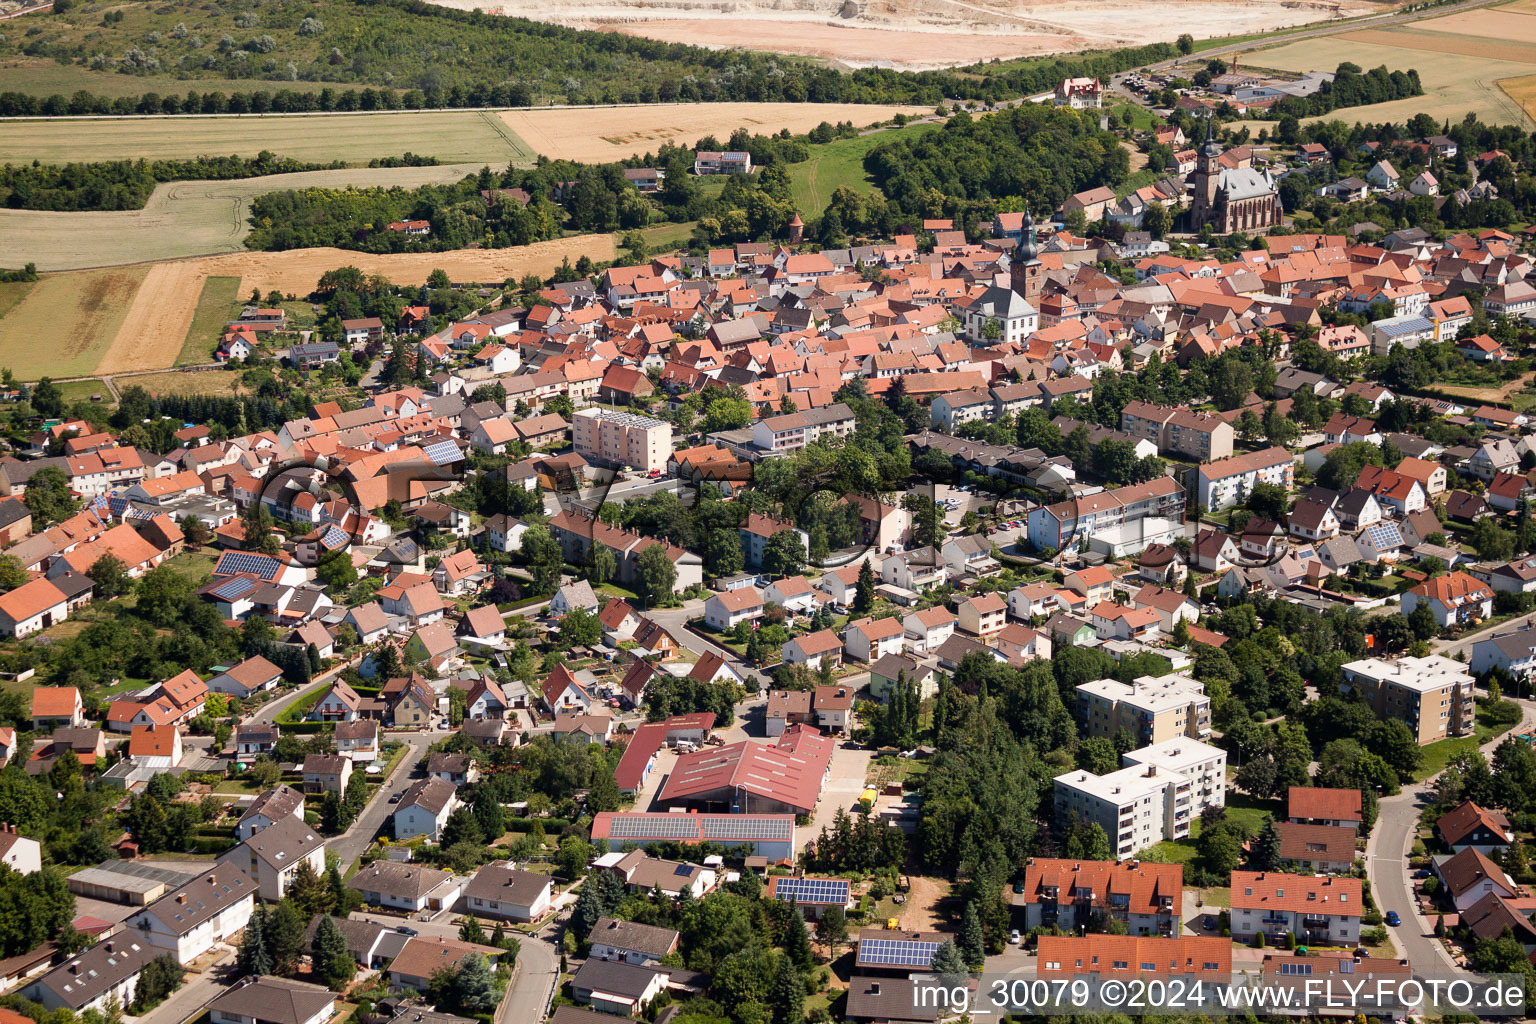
{"x": 182, "y": 219}
{"x": 65, "y": 323}
{"x": 612, "y": 133}
{"x": 157, "y": 322}
{"x": 298, "y": 271}
{"x": 1496, "y": 23}
{"x": 1453, "y": 84}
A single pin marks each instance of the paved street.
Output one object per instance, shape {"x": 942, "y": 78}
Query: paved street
{"x": 1387, "y": 867}
{"x": 1463, "y": 645}
{"x": 197, "y": 992}
{"x": 354, "y": 842}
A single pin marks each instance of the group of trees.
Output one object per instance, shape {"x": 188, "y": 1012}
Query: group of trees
{"x": 977, "y": 167}
{"x": 126, "y": 184}
{"x": 855, "y": 844}
{"x": 1351, "y": 88}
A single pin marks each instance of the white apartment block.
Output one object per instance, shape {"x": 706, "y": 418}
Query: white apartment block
{"x": 795, "y": 430}
{"x": 1152, "y": 709}
{"x": 1156, "y": 795}
{"x": 1228, "y": 482}
{"x": 623, "y": 438}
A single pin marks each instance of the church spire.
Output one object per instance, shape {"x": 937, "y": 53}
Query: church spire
{"x": 1026, "y": 250}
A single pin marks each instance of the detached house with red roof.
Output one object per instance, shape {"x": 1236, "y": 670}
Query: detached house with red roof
{"x": 35, "y": 605}
{"x": 56, "y": 706}
{"x": 561, "y": 692}
{"x": 1454, "y": 598}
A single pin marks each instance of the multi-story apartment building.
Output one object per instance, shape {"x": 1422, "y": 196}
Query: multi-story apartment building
{"x": 1092, "y": 515}
{"x": 1147, "y": 897}
{"x": 1156, "y": 795}
{"x": 1228, "y": 482}
{"x": 795, "y": 430}
{"x": 1317, "y": 909}
{"x": 1152, "y": 709}
{"x": 1099, "y": 956}
{"x": 1199, "y": 435}
{"x": 1433, "y": 695}
{"x": 623, "y": 438}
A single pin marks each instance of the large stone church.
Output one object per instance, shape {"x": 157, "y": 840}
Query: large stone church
{"x": 1232, "y": 199}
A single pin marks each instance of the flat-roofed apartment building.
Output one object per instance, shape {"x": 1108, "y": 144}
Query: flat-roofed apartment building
{"x": 623, "y": 438}
{"x": 1432, "y": 695}
{"x": 1152, "y": 709}
{"x": 1154, "y": 797}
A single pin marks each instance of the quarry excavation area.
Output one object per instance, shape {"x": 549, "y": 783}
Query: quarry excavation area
{"x": 911, "y": 34}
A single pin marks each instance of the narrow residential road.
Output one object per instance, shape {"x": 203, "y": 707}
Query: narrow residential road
{"x": 197, "y": 992}
{"x": 354, "y": 842}
{"x": 1386, "y": 861}
{"x": 269, "y": 711}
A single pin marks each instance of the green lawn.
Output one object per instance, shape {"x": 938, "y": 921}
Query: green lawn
{"x": 84, "y": 390}
{"x": 196, "y": 565}
{"x": 1171, "y": 851}
{"x": 838, "y": 163}
{"x": 1437, "y": 755}
{"x": 214, "y": 309}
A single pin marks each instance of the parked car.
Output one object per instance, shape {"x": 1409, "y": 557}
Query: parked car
{"x": 403, "y": 930}
{"x": 1422, "y": 873}
{"x": 1015, "y": 938}
{"x": 1393, "y": 919}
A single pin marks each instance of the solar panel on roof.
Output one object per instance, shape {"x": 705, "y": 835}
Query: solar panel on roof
{"x": 747, "y": 828}
{"x": 243, "y": 561}
{"x": 657, "y": 826}
{"x": 235, "y": 588}
{"x": 442, "y": 452}
{"x": 897, "y": 952}
{"x": 811, "y": 890}
{"x": 334, "y": 536}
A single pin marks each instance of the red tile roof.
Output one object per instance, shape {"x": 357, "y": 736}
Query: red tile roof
{"x": 1147, "y": 885}
{"x": 1133, "y": 954}
{"x": 1331, "y": 896}
{"x": 1330, "y": 804}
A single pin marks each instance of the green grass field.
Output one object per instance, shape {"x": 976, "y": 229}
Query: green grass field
{"x": 83, "y": 390}
{"x": 214, "y": 307}
{"x": 452, "y": 136}
{"x": 839, "y": 163}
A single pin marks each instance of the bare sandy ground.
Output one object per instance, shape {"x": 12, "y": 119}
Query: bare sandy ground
{"x": 157, "y": 322}
{"x": 923, "y": 33}
{"x": 298, "y": 271}
{"x": 612, "y": 133}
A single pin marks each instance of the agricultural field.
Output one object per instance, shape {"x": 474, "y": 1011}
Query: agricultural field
{"x": 182, "y": 219}
{"x": 181, "y": 382}
{"x": 452, "y": 136}
{"x": 297, "y": 271}
{"x": 67, "y": 322}
{"x": 215, "y": 308}
{"x": 1461, "y": 67}
{"x": 613, "y": 133}
{"x": 840, "y": 163}
{"x": 158, "y": 320}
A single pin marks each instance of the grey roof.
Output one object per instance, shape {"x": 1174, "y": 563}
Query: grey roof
{"x": 362, "y": 729}
{"x": 201, "y": 899}
{"x": 275, "y": 803}
{"x": 1246, "y": 183}
{"x": 507, "y": 885}
{"x": 411, "y": 881}
{"x": 275, "y": 1000}
{"x": 614, "y": 976}
{"x": 432, "y": 795}
{"x": 642, "y": 938}
{"x": 1003, "y": 302}
{"x": 884, "y": 999}
{"x": 283, "y": 842}
{"x": 1517, "y": 646}
{"x": 86, "y": 977}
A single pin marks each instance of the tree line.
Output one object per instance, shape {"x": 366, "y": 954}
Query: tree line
{"x": 127, "y": 184}
{"x": 1351, "y": 88}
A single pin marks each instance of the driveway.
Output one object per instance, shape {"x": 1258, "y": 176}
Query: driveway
{"x": 843, "y": 787}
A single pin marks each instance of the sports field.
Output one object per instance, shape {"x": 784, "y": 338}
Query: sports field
{"x": 612, "y": 133}
{"x": 181, "y": 220}
{"x": 66, "y": 322}
{"x": 840, "y": 163}
{"x": 1466, "y": 62}
{"x": 453, "y": 136}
